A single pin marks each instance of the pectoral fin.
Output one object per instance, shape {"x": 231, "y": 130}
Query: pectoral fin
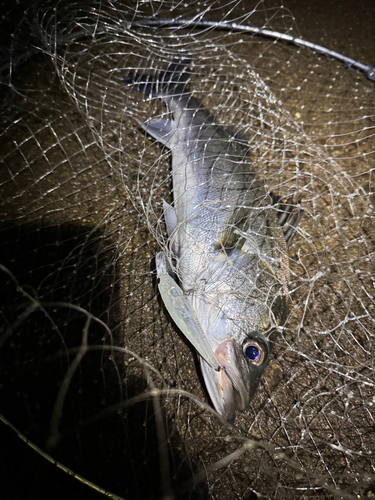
{"x": 182, "y": 312}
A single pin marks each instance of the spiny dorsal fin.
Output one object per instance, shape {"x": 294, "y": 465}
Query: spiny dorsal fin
{"x": 289, "y": 214}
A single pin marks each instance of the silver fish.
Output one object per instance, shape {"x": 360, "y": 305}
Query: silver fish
{"x": 182, "y": 312}
{"x": 229, "y": 239}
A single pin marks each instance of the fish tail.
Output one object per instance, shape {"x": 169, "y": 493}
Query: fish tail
{"x": 168, "y": 83}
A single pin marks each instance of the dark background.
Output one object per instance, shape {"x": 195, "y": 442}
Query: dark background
{"x": 342, "y": 25}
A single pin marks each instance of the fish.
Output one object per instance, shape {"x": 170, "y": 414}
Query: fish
{"x": 181, "y": 311}
{"x": 228, "y": 242}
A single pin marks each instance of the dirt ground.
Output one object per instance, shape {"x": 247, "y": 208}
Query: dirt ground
{"x": 92, "y": 371}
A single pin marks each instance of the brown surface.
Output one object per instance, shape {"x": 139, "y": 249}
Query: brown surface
{"x": 74, "y": 231}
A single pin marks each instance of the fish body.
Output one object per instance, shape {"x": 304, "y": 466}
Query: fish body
{"x": 229, "y": 246}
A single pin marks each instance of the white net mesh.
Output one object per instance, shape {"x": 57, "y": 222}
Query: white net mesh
{"x": 91, "y": 369}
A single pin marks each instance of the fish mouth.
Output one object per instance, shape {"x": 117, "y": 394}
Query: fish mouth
{"x": 226, "y": 388}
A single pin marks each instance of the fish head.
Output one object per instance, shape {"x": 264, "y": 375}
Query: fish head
{"x": 233, "y": 387}
{"x": 241, "y": 306}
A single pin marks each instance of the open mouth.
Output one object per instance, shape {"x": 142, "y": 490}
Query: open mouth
{"x": 220, "y": 390}
{"x": 226, "y": 388}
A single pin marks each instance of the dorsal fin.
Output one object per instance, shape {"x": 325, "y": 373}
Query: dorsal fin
{"x": 289, "y": 214}
{"x": 239, "y": 135}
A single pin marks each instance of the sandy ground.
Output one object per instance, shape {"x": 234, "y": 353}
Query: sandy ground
{"x": 83, "y": 329}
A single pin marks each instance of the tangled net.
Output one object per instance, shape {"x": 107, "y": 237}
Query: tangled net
{"x": 92, "y": 372}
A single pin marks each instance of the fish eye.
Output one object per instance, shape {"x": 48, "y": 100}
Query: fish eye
{"x": 254, "y": 351}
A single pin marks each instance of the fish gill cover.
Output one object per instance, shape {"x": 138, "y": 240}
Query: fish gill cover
{"x": 92, "y": 371}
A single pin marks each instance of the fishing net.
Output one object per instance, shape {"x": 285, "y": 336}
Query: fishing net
{"x": 92, "y": 371}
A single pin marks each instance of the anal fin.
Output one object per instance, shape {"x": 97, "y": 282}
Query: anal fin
{"x": 170, "y": 217}
{"x": 160, "y": 129}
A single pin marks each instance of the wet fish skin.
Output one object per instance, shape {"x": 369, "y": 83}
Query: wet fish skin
{"x": 224, "y": 231}
{"x": 182, "y": 312}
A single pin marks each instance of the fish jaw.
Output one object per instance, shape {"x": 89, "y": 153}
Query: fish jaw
{"x": 227, "y": 357}
{"x": 233, "y": 387}
{"x": 220, "y": 390}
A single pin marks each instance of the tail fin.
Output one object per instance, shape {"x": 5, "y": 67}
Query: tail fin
{"x": 173, "y": 81}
